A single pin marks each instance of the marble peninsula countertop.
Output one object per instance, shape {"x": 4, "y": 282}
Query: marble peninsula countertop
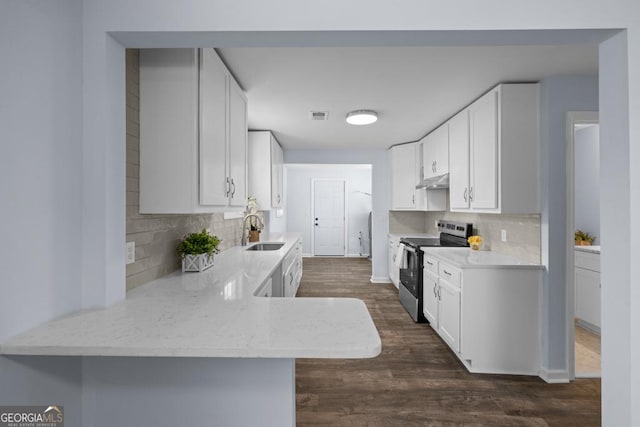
{"x": 212, "y": 314}
{"x": 466, "y": 258}
{"x": 594, "y": 249}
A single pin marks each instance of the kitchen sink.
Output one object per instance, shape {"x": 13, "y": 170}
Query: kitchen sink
{"x": 265, "y": 247}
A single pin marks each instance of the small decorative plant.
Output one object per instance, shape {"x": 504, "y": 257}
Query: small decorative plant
{"x": 583, "y": 238}
{"x": 197, "y": 249}
{"x": 475, "y": 242}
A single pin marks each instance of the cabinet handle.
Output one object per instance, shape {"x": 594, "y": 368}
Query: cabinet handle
{"x": 470, "y": 194}
{"x": 429, "y": 263}
{"x": 228, "y": 188}
{"x": 435, "y": 166}
{"x": 413, "y": 199}
{"x": 439, "y": 294}
{"x": 278, "y": 199}
{"x": 394, "y": 257}
{"x": 446, "y": 272}
{"x": 435, "y": 292}
{"x": 465, "y": 194}
{"x": 233, "y": 192}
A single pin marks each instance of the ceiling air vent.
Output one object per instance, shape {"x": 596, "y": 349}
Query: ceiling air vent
{"x": 319, "y": 115}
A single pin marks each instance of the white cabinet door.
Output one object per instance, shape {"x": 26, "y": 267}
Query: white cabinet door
{"x": 394, "y": 271}
{"x": 449, "y": 314}
{"x": 459, "y": 161}
{"x": 483, "y": 121}
{"x": 289, "y": 282}
{"x": 442, "y": 149}
{"x": 214, "y": 188}
{"x": 430, "y": 298}
{"x": 435, "y": 152}
{"x": 428, "y": 156}
{"x": 237, "y": 145}
{"x": 277, "y": 160}
{"x": 403, "y": 177}
{"x": 587, "y": 284}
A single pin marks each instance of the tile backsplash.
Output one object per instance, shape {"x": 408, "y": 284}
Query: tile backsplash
{"x": 523, "y": 231}
{"x": 157, "y": 236}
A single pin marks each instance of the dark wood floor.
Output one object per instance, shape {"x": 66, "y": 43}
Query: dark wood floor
{"x": 417, "y": 380}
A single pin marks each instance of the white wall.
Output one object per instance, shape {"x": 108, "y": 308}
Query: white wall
{"x": 40, "y": 162}
{"x": 620, "y": 199}
{"x": 298, "y": 201}
{"x": 587, "y": 180}
{"x": 379, "y": 189}
{"x": 40, "y": 192}
{"x": 35, "y": 28}
{"x": 558, "y": 96}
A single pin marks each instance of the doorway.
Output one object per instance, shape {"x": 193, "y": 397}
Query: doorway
{"x": 329, "y": 217}
{"x": 583, "y": 245}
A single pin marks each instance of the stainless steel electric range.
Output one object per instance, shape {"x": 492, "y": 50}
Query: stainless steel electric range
{"x": 452, "y": 234}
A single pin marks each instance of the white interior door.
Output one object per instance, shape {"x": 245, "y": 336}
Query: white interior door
{"x": 328, "y": 217}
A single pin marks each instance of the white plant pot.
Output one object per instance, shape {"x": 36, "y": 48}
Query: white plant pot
{"x": 197, "y": 262}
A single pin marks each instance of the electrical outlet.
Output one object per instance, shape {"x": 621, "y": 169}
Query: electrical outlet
{"x": 504, "y": 235}
{"x": 131, "y": 252}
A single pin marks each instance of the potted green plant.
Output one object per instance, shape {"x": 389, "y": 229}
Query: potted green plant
{"x": 197, "y": 250}
{"x": 583, "y": 238}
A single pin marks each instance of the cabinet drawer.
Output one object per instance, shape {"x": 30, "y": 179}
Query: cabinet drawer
{"x": 449, "y": 273}
{"x": 587, "y": 260}
{"x": 430, "y": 264}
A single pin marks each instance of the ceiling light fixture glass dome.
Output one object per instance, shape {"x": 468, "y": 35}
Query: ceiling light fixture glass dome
{"x": 362, "y": 117}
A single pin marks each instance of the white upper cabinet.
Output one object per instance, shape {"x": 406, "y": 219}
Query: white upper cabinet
{"x": 193, "y": 133}
{"x": 459, "y": 165}
{"x": 237, "y": 170}
{"x": 495, "y": 151}
{"x": 277, "y": 164}
{"x": 405, "y": 174}
{"x": 213, "y": 129}
{"x": 265, "y": 169}
{"x": 435, "y": 152}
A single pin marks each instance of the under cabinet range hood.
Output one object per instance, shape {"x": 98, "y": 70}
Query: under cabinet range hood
{"x": 436, "y": 182}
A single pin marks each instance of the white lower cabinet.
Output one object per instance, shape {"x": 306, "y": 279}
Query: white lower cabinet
{"x": 430, "y": 298}
{"x": 394, "y": 272}
{"x": 488, "y": 315}
{"x": 266, "y": 290}
{"x": 292, "y": 270}
{"x": 449, "y": 319}
{"x": 587, "y": 289}
{"x": 441, "y": 303}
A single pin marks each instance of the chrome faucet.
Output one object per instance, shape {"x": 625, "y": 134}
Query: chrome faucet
{"x": 244, "y": 226}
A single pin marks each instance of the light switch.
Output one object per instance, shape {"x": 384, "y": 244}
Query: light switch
{"x": 131, "y": 252}
{"x": 504, "y": 235}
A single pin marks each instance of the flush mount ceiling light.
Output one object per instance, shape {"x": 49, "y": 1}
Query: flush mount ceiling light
{"x": 362, "y": 117}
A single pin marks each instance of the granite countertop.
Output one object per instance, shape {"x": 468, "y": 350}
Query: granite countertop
{"x": 212, "y": 314}
{"x": 466, "y": 258}
{"x": 594, "y": 249}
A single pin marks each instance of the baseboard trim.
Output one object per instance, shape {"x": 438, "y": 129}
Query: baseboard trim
{"x": 375, "y": 279}
{"x": 588, "y": 326}
{"x": 554, "y": 376}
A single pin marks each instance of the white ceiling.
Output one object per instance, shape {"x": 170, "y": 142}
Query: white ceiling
{"x": 413, "y": 89}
